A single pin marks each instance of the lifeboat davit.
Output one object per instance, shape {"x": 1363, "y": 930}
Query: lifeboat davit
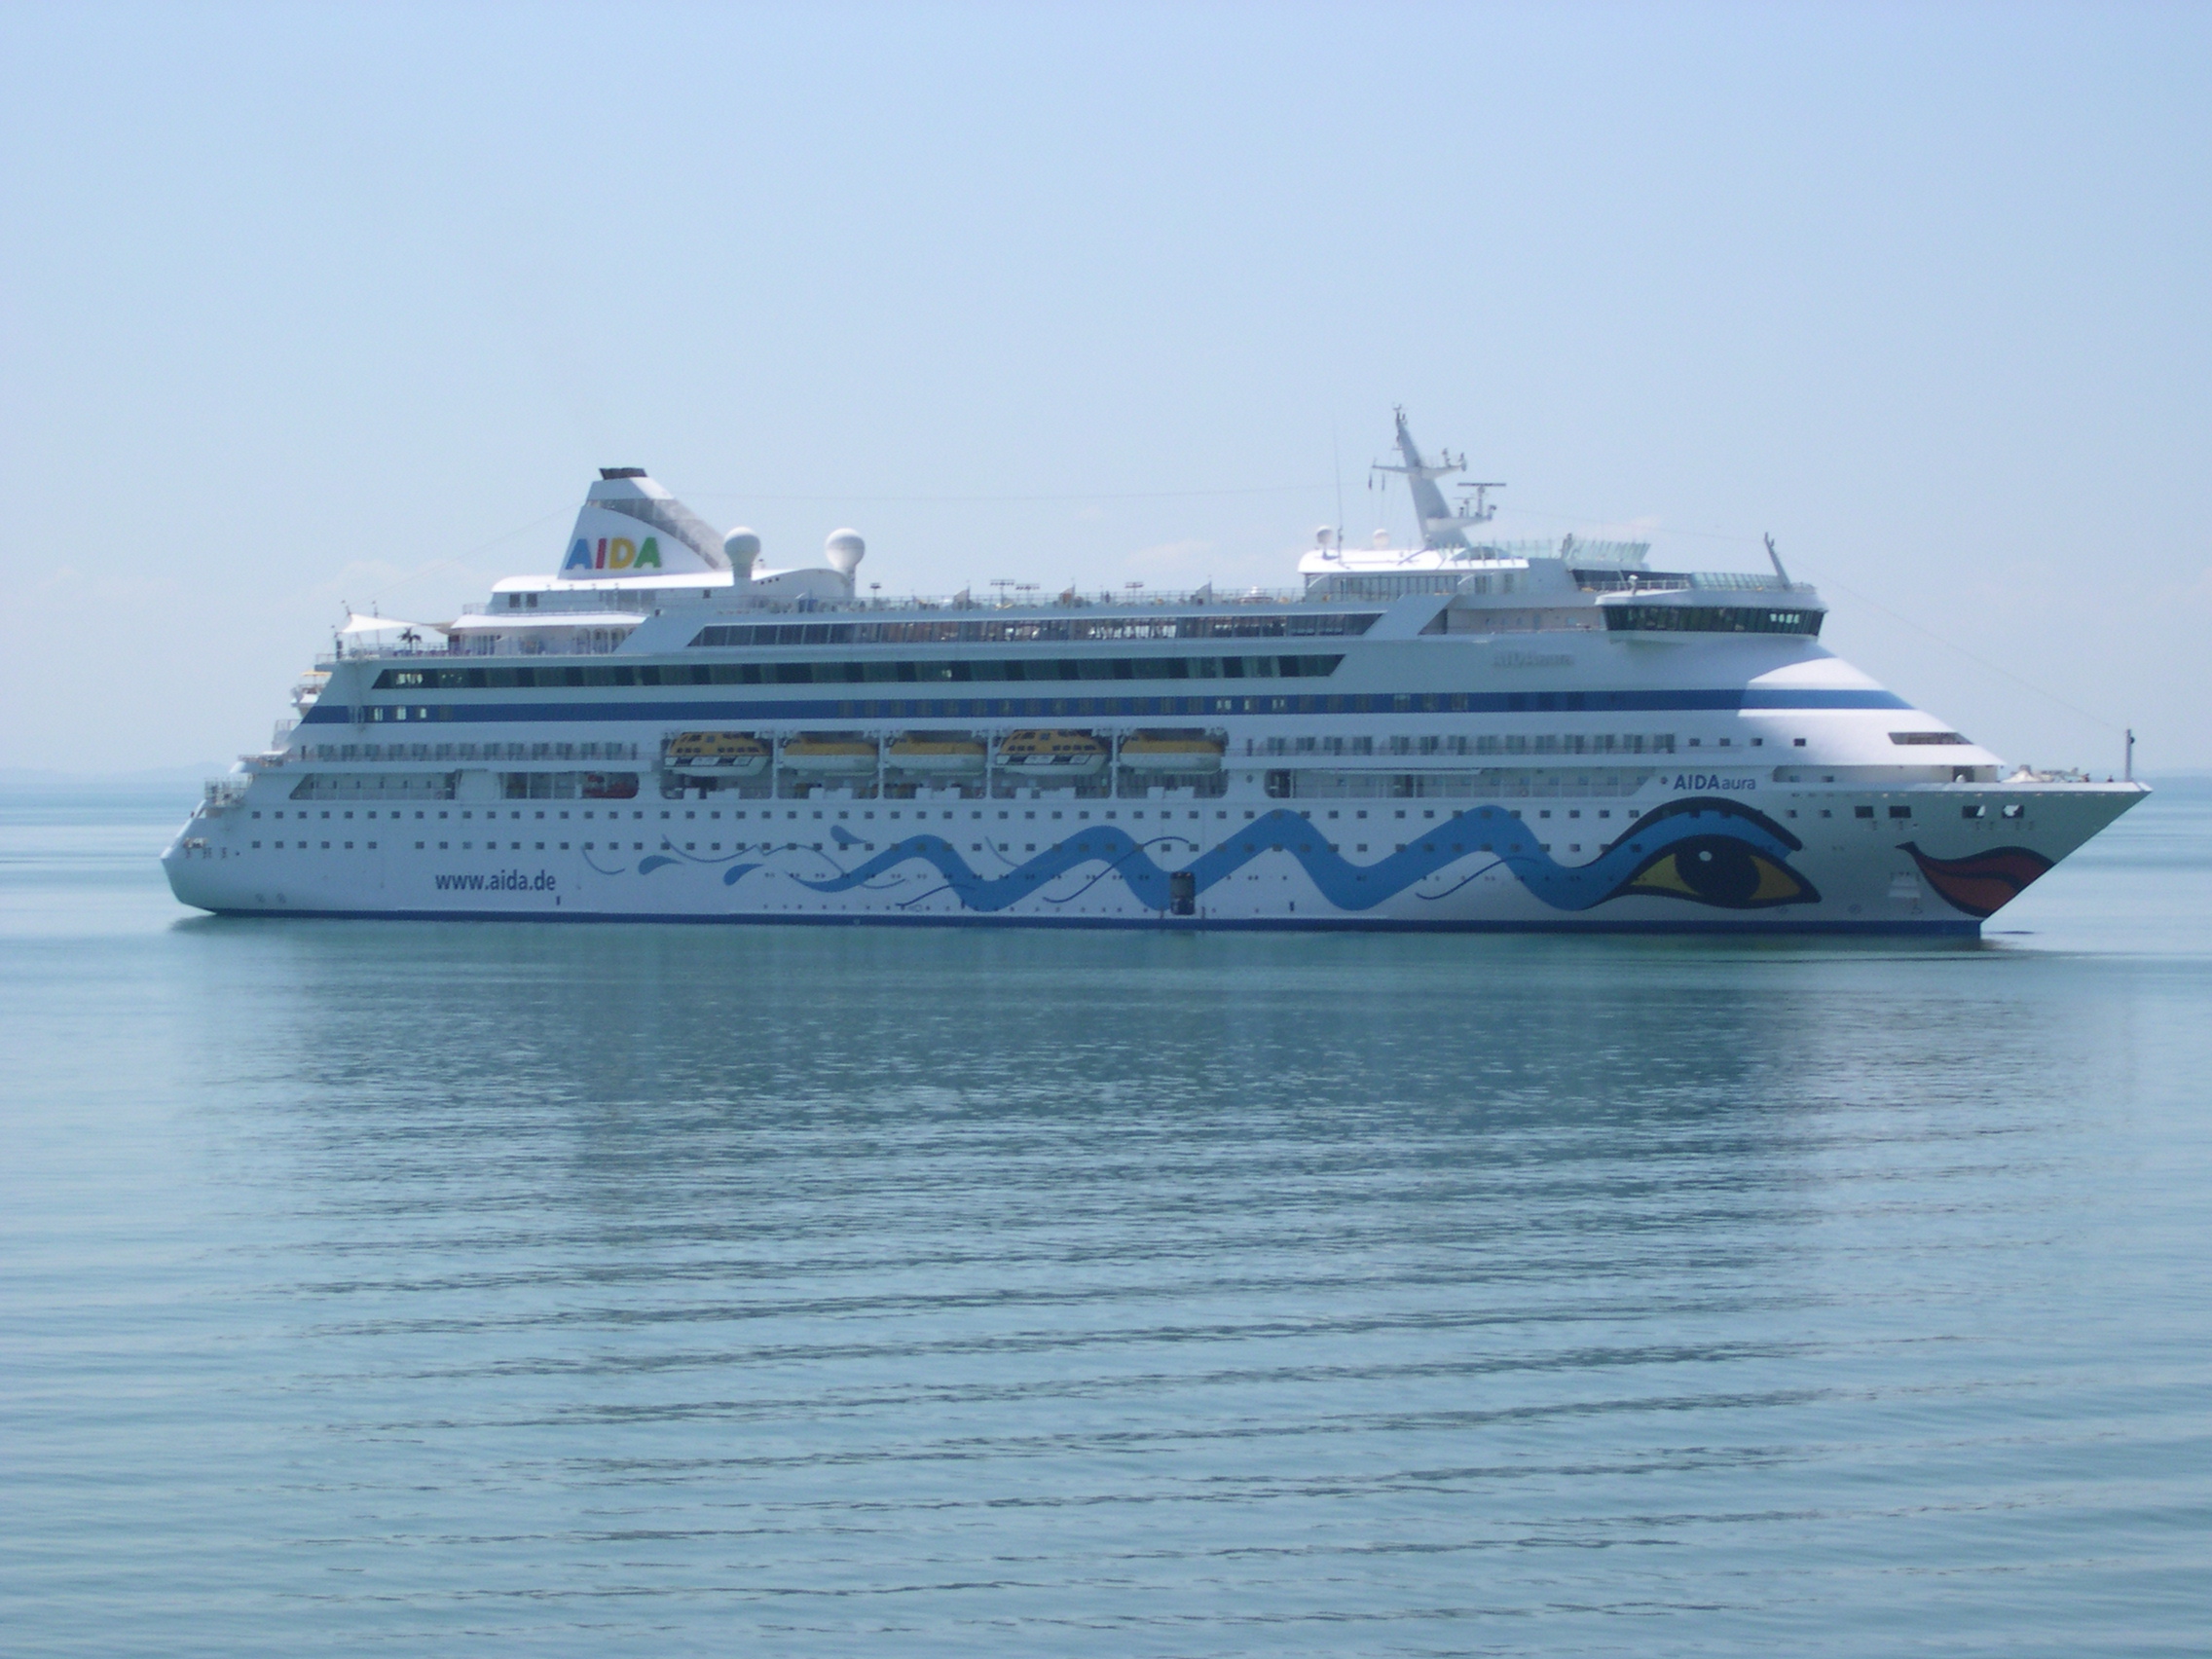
{"x": 1171, "y": 752}
{"x": 825, "y": 754}
{"x": 726, "y": 753}
{"x": 1062, "y": 754}
{"x": 935, "y": 755}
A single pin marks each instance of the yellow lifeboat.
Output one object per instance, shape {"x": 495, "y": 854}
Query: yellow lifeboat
{"x": 726, "y": 753}
{"x": 829, "y": 754}
{"x": 1062, "y": 754}
{"x": 939, "y": 754}
{"x": 1171, "y": 752}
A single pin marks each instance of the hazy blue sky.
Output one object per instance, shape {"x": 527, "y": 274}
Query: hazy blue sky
{"x": 304, "y": 304}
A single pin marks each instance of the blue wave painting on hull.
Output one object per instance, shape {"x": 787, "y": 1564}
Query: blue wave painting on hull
{"x": 1706, "y": 851}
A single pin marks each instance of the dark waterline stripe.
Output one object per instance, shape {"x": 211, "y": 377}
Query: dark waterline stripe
{"x": 1942, "y": 929}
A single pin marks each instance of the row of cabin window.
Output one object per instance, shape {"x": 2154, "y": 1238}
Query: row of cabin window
{"x": 1545, "y": 743}
{"x": 924, "y": 815}
{"x": 327, "y": 753}
{"x": 2010, "y": 810}
{"x": 1569, "y": 743}
{"x": 1348, "y": 703}
{"x": 990, "y": 671}
{"x": 1041, "y": 708}
{"x": 1540, "y": 743}
{"x": 520, "y": 786}
{"x": 1973, "y": 810}
{"x": 1037, "y": 629}
{"x": 450, "y": 813}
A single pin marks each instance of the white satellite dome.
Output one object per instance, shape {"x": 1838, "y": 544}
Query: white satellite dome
{"x": 742, "y": 545}
{"x": 845, "y": 551}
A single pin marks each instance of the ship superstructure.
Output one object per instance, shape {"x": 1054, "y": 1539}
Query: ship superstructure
{"x": 1466, "y": 733}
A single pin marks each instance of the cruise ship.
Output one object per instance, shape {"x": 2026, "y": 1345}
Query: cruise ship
{"x": 1466, "y": 733}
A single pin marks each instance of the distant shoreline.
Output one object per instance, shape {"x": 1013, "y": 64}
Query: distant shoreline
{"x": 21, "y": 781}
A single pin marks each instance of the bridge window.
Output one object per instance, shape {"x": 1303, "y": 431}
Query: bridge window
{"x": 1711, "y": 619}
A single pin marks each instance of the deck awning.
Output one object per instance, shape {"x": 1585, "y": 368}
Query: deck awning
{"x": 357, "y": 624}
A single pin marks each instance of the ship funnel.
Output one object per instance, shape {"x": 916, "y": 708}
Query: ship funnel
{"x": 630, "y": 527}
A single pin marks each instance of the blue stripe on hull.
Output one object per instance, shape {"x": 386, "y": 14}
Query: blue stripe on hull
{"x": 1353, "y": 888}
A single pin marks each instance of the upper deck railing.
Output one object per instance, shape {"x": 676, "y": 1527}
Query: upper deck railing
{"x": 646, "y": 602}
{"x": 1679, "y": 581}
{"x": 589, "y": 640}
{"x": 597, "y": 642}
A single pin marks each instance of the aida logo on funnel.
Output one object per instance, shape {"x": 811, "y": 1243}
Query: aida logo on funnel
{"x": 614, "y": 553}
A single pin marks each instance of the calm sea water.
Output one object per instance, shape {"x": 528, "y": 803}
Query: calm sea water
{"x": 393, "y": 1288}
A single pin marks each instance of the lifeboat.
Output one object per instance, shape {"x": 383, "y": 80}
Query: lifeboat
{"x": 939, "y": 754}
{"x": 1171, "y": 752}
{"x": 1062, "y": 754}
{"x": 727, "y": 754}
{"x": 828, "y": 754}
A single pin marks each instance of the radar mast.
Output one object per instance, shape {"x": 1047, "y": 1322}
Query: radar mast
{"x": 1440, "y": 528}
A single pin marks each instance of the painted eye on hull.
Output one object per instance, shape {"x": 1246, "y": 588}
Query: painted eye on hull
{"x": 1720, "y": 870}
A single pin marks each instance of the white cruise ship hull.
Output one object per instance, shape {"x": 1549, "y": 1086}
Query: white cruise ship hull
{"x": 1935, "y": 859}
